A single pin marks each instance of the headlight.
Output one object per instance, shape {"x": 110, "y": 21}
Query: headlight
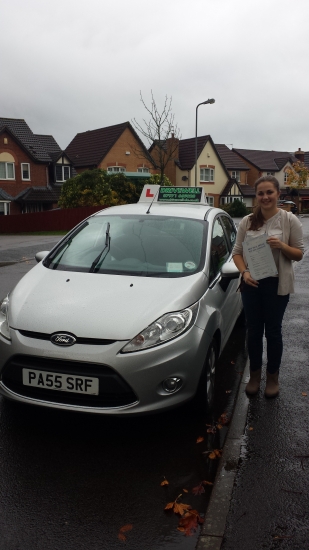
{"x": 166, "y": 328}
{"x": 4, "y": 318}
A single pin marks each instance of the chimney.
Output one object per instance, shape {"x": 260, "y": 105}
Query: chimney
{"x": 300, "y": 155}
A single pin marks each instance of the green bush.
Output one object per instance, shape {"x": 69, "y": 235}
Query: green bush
{"x": 236, "y": 209}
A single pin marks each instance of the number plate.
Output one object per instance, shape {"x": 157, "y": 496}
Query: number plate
{"x": 61, "y": 382}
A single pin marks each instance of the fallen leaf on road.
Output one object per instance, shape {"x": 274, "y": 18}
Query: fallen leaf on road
{"x": 189, "y": 522}
{"x": 250, "y": 429}
{"x": 223, "y": 419}
{"x": 304, "y": 394}
{"x": 216, "y": 453}
{"x": 228, "y": 391}
{"x": 207, "y": 482}
{"x": 198, "y": 490}
{"x": 164, "y": 482}
{"x": 199, "y": 439}
{"x": 124, "y": 529}
{"x": 212, "y": 430}
{"x": 178, "y": 507}
{"x": 185, "y": 490}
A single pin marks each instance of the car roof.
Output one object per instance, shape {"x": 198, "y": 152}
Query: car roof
{"x": 174, "y": 210}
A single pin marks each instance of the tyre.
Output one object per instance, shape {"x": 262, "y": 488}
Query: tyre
{"x": 204, "y": 398}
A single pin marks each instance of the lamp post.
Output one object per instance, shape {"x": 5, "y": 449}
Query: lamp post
{"x": 203, "y": 103}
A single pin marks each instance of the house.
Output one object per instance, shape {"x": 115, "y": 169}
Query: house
{"x": 32, "y": 169}
{"x": 210, "y": 171}
{"x": 237, "y": 187}
{"x": 274, "y": 163}
{"x": 115, "y": 148}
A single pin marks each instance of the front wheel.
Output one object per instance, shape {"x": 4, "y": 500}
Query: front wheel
{"x": 206, "y": 389}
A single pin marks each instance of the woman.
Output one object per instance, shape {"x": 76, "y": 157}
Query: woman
{"x": 265, "y": 300}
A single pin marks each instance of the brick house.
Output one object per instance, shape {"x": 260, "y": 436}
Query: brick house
{"x": 211, "y": 171}
{"x": 275, "y": 163}
{"x": 115, "y": 148}
{"x": 32, "y": 169}
{"x": 237, "y": 187}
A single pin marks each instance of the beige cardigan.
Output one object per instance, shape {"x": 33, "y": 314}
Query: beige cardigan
{"x": 291, "y": 234}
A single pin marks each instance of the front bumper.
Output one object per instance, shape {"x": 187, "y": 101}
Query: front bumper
{"x": 130, "y": 384}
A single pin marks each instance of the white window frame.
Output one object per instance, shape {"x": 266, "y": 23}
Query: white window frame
{"x": 210, "y": 200}
{"x": 236, "y": 175}
{"x": 286, "y": 175}
{"x": 116, "y": 169}
{"x": 229, "y": 199}
{"x": 210, "y": 177}
{"x": 270, "y": 173}
{"x": 63, "y": 166}
{"x": 22, "y": 175}
{"x": 6, "y": 170}
{"x": 143, "y": 169}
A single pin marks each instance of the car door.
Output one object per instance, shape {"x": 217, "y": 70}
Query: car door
{"x": 221, "y": 293}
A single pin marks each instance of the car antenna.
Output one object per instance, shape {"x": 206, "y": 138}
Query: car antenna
{"x": 148, "y": 211}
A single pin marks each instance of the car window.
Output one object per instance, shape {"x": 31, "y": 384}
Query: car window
{"x": 144, "y": 245}
{"x": 219, "y": 249}
{"x": 230, "y": 231}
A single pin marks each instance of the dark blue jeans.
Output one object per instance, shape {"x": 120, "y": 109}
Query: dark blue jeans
{"x": 264, "y": 309}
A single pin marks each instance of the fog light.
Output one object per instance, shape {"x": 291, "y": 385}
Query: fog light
{"x": 171, "y": 385}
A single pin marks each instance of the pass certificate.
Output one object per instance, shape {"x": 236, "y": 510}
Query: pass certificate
{"x": 259, "y": 256}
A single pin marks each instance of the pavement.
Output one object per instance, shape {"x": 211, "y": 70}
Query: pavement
{"x": 260, "y": 498}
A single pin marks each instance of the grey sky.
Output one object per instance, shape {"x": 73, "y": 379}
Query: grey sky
{"x": 70, "y": 65}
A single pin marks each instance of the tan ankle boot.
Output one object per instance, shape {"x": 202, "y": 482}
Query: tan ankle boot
{"x": 272, "y": 385}
{"x": 253, "y": 385}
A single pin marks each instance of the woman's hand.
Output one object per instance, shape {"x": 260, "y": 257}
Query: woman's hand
{"x": 274, "y": 242}
{"x": 248, "y": 279}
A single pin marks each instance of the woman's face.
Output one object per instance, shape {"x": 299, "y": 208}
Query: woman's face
{"x": 267, "y": 195}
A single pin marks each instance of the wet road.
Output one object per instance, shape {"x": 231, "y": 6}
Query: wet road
{"x": 73, "y": 480}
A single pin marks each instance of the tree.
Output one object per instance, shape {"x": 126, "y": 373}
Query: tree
{"x": 90, "y": 188}
{"x": 97, "y": 187}
{"x": 156, "y": 179}
{"x": 297, "y": 176}
{"x": 161, "y": 133}
{"x": 236, "y": 209}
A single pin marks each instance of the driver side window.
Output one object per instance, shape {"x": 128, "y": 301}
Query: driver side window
{"x": 219, "y": 250}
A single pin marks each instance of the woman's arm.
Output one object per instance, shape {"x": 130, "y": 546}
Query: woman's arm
{"x": 241, "y": 266}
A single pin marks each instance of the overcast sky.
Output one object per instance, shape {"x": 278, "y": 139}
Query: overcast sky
{"x": 68, "y": 66}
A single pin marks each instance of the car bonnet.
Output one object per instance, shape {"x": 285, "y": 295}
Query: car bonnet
{"x": 92, "y": 305}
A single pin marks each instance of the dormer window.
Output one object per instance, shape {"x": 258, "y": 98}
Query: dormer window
{"x": 63, "y": 173}
{"x": 236, "y": 175}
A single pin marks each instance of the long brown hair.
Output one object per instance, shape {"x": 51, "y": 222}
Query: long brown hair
{"x": 256, "y": 219}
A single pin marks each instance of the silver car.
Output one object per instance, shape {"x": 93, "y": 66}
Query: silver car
{"x": 127, "y": 314}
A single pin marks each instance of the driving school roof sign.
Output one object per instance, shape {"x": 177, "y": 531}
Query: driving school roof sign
{"x": 157, "y": 193}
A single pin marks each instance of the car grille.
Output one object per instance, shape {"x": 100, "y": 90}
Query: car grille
{"x": 113, "y": 390}
{"x": 45, "y": 336}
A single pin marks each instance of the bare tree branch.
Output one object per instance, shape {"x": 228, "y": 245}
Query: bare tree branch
{"x": 160, "y": 131}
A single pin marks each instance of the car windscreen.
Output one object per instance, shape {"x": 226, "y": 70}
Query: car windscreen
{"x": 153, "y": 246}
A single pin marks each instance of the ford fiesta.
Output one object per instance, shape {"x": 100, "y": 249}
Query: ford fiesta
{"x": 128, "y": 313}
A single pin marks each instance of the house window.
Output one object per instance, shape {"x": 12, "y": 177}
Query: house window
{"x": 116, "y": 169}
{"x": 143, "y": 170}
{"x": 236, "y": 175}
{"x": 25, "y": 171}
{"x": 228, "y": 200}
{"x": 270, "y": 173}
{"x": 210, "y": 200}
{"x": 7, "y": 171}
{"x": 62, "y": 172}
{"x": 207, "y": 174}
{"x": 286, "y": 175}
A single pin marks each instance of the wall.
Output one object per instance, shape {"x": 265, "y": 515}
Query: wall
{"x": 117, "y": 155}
{"x": 53, "y": 220}
{"x": 208, "y": 157}
{"x": 38, "y": 172}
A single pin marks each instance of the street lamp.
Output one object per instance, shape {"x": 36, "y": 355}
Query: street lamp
{"x": 203, "y": 103}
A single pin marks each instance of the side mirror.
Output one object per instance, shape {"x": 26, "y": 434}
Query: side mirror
{"x": 229, "y": 270}
{"x": 41, "y": 255}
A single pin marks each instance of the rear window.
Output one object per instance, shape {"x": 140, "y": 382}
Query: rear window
{"x": 145, "y": 245}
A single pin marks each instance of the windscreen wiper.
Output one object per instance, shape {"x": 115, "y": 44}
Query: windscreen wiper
{"x": 98, "y": 261}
